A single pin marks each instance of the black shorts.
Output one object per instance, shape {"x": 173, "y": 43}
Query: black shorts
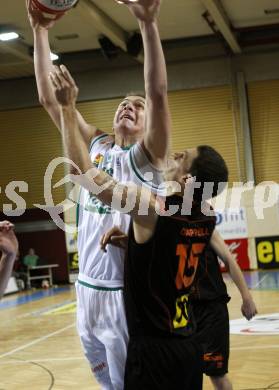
{"x": 163, "y": 364}
{"x": 213, "y": 334}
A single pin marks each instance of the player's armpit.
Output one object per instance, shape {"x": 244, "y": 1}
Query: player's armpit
{"x": 88, "y": 131}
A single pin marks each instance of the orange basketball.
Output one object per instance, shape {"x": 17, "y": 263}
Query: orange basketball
{"x": 54, "y": 6}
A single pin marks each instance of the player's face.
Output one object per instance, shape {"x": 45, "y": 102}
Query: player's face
{"x": 130, "y": 115}
{"x": 179, "y": 164}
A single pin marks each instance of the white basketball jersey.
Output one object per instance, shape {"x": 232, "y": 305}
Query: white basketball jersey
{"x": 96, "y": 218}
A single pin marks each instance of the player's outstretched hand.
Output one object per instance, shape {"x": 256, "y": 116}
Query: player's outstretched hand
{"x": 114, "y": 237}
{"x": 37, "y": 18}
{"x": 143, "y": 10}
{"x": 248, "y": 308}
{"x": 65, "y": 88}
{"x": 8, "y": 240}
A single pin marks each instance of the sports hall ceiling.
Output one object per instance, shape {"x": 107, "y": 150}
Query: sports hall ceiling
{"x": 236, "y": 25}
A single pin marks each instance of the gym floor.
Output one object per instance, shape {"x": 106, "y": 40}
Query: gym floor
{"x": 40, "y": 349}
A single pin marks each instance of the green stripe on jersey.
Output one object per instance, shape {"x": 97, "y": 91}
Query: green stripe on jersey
{"x": 138, "y": 173}
{"x": 99, "y": 287}
{"x": 93, "y": 142}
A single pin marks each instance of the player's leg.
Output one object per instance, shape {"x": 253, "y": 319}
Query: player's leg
{"x": 96, "y": 355}
{"x": 218, "y": 372}
{"x": 221, "y": 382}
{"x": 162, "y": 364}
{"x": 113, "y": 334}
{"x": 213, "y": 334}
{"x": 196, "y": 367}
{"x": 94, "y": 350}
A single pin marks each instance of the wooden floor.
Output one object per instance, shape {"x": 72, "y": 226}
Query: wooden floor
{"x": 40, "y": 350}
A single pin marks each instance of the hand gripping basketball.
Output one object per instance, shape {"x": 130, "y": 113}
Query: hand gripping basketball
{"x": 54, "y": 7}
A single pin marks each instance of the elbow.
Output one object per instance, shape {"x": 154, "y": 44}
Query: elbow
{"x": 45, "y": 102}
{"x": 77, "y": 169}
{"x": 80, "y": 168}
{"x": 74, "y": 170}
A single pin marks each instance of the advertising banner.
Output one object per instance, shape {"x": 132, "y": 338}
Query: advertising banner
{"x": 73, "y": 266}
{"x": 239, "y": 249}
{"x": 232, "y": 223}
{"x": 267, "y": 249}
{"x": 71, "y": 241}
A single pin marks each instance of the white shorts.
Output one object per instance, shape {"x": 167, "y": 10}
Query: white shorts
{"x": 102, "y": 327}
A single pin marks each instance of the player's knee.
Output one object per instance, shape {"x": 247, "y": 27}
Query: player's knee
{"x": 101, "y": 373}
{"x": 221, "y": 382}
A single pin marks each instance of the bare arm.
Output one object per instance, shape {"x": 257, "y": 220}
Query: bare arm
{"x": 98, "y": 182}
{"x": 125, "y": 198}
{"x": 8, "y": 247}
{"x": 248, "y": 306}
{"x": 158, "y": 123}
{"x": 6, "y": 267}
{"x": 43, "y": 66}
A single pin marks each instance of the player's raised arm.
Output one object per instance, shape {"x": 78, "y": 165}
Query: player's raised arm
{"x": 98, "y": 182}
{"x": 43, "y": 66}
{"x": 158, "y": 123}
{"x": 248, "y": 307}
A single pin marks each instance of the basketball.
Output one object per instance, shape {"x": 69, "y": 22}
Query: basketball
{"x": 54, "y": 6}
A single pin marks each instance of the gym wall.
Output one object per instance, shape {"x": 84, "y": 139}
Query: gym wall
{"x": 206, "y": 115}
{"x": 264, "y": 116}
